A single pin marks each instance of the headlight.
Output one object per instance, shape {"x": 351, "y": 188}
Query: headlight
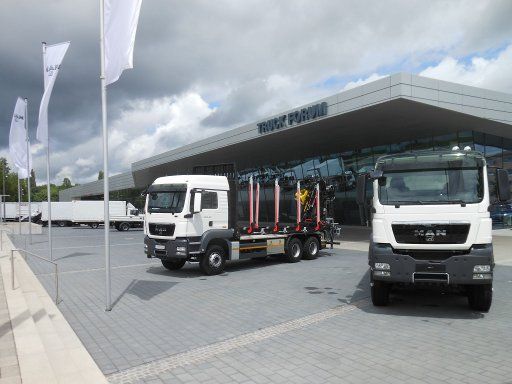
{"x": 481, "y": 269}
{"x": 382, "y": 266}
{"x": 382, "y": 273}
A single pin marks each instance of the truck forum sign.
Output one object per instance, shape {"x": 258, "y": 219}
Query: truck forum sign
{"x": 296, "y": 117}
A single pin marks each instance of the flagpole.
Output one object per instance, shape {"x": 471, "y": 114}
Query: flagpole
{"x": 106, "y": 225}
{"x": 48, "y": 188}
{"x": 28, "y": 173}
{"x": 19, "y": 201}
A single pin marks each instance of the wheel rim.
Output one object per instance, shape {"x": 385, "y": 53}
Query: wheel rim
{"x": 313, "y": 248}
{"x": 124, "y": 227}
{"x": 215, "y": 259}
{"x": 295, "y": 251}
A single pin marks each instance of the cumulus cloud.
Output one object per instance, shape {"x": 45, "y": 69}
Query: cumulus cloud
{"x": 361, "y": 81}
{"x": 143, "y": 128}
{"x": 493, "y": 73}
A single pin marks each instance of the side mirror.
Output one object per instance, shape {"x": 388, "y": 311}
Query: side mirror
{"x": 502, "y": 185}
{"x": 197, "y": 202}
{"x": 376, "y": 174}
{"x": 361, "y": 190}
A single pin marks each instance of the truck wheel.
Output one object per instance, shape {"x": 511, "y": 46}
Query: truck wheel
{"x": 61, "y": 224}
{"x": 311, "y": 248}
{"x": 294, "y": 251}
{"x": 94, "y": 225}
{"x": 124, "y": 226}
{"x": 380, "y": 293}
{"x": 480, "y": 297}
{"x": 173, "y": 264}
{"x": 213, "y": 261}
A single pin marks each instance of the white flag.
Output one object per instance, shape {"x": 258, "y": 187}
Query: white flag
{"x": 53, "y": 60}
{"x": 121, "y": 18}
{"x": 18, "y": 140}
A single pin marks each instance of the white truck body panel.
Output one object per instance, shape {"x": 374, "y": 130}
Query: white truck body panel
{"x": 84, "y": 211}
{"x": 12, "y": 211}
{"x": 61, "y": 211}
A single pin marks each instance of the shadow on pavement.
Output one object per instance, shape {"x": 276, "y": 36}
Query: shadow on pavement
{"x": 145, "y": 289}
{"x": 74, "y": 254}
{"x": 191, "y": 270}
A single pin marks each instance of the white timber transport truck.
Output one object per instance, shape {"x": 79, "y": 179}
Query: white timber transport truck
{"x": 431, "y": 223}
{"x": 199, "y": 218}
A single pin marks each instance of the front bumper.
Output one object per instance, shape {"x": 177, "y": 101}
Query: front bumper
{"x": 166, "y": 249}
{"x": 456, "y": 269}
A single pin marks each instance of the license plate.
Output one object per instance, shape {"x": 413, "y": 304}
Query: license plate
{"x": 159, "y": 246}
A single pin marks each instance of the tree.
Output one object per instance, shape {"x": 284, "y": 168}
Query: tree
{"x": 66, "y": 183}
{"x": 33, "y": 184}
{"x": 100, "y": 175}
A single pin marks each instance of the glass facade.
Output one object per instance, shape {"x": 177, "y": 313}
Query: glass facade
{"x": 343, "y": 168}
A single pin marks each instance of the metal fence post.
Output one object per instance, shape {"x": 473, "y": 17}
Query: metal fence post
{"x": 12, "y": 268}
{"x": 56, "y": 285}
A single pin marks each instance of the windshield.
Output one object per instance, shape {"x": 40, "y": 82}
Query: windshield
{"x": 431, "y": 180}
{"x": 166, "y": 198}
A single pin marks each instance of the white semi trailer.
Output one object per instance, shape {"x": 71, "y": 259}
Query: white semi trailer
{"x": 123, "y": 215}
{"x": 13, "y": 211}
{"x": 431, "y": 223}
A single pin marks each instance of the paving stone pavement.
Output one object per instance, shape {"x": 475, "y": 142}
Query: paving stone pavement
{"x": 271, "y": 322}
{"x": 9, "y": 368}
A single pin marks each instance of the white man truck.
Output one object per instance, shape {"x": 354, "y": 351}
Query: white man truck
{"x": 198, "y": 218}
{"x": 431, "y": 224}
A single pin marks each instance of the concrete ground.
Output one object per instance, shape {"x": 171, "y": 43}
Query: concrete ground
{"x": 271, "y": 322}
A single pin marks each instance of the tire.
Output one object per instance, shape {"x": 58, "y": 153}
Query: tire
{"x": 294, "y": 250}
{"x": 380, "y": 293}
{"x": 94, "y": 225}
{"x": 124, "y": 227}
{"x": 311, "y": 248}
{"x": 173, "y": 264}
{"x": 213, "y": 261}
{"x": 61, "y": 224}
{"x": 480, "y": 297}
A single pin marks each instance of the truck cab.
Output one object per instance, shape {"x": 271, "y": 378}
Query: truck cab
{"x": 431, "y": 223}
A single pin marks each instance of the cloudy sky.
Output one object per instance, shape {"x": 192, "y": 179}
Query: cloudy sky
{"x": 202, "y": 67}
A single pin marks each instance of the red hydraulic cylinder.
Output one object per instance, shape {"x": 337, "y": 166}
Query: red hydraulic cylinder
{"x": 276, "y": 205}
{"x": 297, "y": 228}
{"x": 251, "y": 218}
{"x": 257, "y": 213}
{"x": 317, "y": 199}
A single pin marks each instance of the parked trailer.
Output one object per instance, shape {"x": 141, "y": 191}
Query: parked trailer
{"x": 61, "y": 213}
{"x": 123, "y": 215}
{"x": 197, "y": 218}
{"x": 13, "y": 212}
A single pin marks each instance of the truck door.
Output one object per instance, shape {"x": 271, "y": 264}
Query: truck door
{"x": 214, "y": 212}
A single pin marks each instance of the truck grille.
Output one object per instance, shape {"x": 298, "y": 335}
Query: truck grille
{"x": 430, "y": 233}
{"x": 161, "y": 229}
